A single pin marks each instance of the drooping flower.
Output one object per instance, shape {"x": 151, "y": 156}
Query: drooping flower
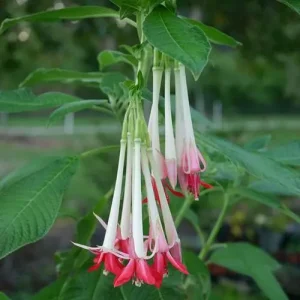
{"x": 107, "y": 253}
{"x": 190, "y": 160}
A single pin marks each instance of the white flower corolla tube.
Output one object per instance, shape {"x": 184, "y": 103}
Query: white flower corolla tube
{"x": 126, "y": 210}
{"x": 111, "y": 230}
{"x": 153, "y": 125}
{"x": 170, "y": 149}
{"x": 137, "y": 217}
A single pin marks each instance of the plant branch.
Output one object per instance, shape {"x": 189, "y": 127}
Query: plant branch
{"x": 215, "y": 229}
{"x": 186, "y": 204}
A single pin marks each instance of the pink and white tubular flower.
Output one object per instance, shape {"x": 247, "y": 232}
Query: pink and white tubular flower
{"x": 170, "y": 150}
{"x": 153, "y": 125}
{"x": 190, "y": 160}
{"x": 108, "y": 252}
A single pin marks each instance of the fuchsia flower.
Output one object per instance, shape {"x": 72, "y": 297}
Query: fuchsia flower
{"x": 127, "y": 252}
{"x": 189, "y": 159}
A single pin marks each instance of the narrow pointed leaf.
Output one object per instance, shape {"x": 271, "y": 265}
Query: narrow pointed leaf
{"x": 268, "y": 200}
{"x": 23, "y": 99}
{"x": 69, "y": 13}
{"x": 107, "y": 58}
{"x": 255, "y": 163}
{"x": 214, "y": 35}
{"x": 59, "y": 75}
{"x": 251, "y": 261}
{"x": 178, "y": 39}
{"x": 288, "y": 154}
{"x": 31, "y": 201}
{"x": 259, "y": 143}
{"x": 60, "y": 112}
{"x": 293, "y": 4}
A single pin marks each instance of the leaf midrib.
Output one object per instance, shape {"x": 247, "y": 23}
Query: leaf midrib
{"x": 33, "y": 198}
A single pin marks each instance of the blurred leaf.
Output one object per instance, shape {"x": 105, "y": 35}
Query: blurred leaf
{"x": 251, "y": 261}
{"x": 69, "y": 13}
{"x": 288, "y": 154}
{"x": 259, "y": 143}
{"x": 23, "y": 99}
{"x": 3, "y": 296}
{"x": 50, "y": 292}
{"x": 268, "y": 200}
{"x": 108, "y": 57}
{"x": 111, "y": 84}
{"x": 293, "y": 4}
{"x": 60, "y": 112}
{"x": 268, "y": 187}
{"x": 198, "y": 269}
{"x": 127, "y": 7}
{"x": 256, "y": 164}
{"x": 30, "y": 203}
{"x": 214, "y": 35}
{"x": 177, "y": 39}
{"x": 225, "y": 171}
{"x": 87, "y": 286}
{"x": 59, "y": 75}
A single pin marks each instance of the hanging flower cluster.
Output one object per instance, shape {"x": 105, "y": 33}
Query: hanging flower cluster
{"x": 182, "y": 160}
{"x": 127, "y": 251}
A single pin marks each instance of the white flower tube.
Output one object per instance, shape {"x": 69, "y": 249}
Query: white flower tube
{"x": 170, "y": 228}
{"x": 153, "y": 125}
{"x": 179, "y": 123}
{"x": 193, "y": 159}
{"x": 170, "y": 150}
{"x": 111, "y": 230}
{"x": 137, "y": 217}
{"x": 126, "y": 217}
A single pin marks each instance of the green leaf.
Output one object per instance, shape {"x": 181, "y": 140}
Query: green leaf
{"x": 293, "y": 4}
{"x": 177, "y": 39}
{"x": 108, "y": 57}
{"x": 50, "y": 292}
{"x": 3, "y": 296}
{"x": 251, "y": 261}
{"x": 23, "y": 99}
{"x": 268, "y": 200}
{"x": 69, "y": 13}
{"x": 288, "y": 154}
{"x": 127, "y": 7}
{"x": 259, "y": 143}
{"x": 60, "y": 112}
{"x": 214, "y": 35}
{"x": 199, "y": 271}
{"x": 59, "y": 75}
{"x": 90, "y": 286}
{"x": 268, "y": 187}
{"x": 256, "y": 164}
{"x": 31, "y": 201}
{"x": 111, "y": 84}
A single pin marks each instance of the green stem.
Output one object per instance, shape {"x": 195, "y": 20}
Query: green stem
{"x": 99, "y": 151}
{"x": 216, "y": 228}
{"x": 185, "y": 206}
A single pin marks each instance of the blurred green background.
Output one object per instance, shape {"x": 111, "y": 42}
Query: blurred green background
{"x": 248, "y": 92}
